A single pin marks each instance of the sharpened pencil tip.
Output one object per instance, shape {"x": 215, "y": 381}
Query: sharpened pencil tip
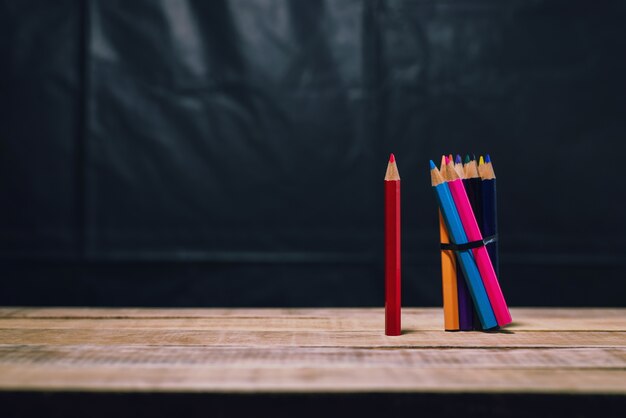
{"x": 447, "y": 159}
{"x": 481, "y": 161}
{"x": 432, "y": 165}
{"x": 458, "y": 159}
{"x": 392, "y": 158}
{"x": 467, "y": 158}
{"x": 487, "y": 158}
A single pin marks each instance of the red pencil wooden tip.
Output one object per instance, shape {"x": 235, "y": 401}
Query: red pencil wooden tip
{"x": 447, "y": 160}
{"x": 392, "y": 158}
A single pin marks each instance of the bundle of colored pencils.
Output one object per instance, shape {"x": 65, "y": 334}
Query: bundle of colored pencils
{"x": 472, "y": 298}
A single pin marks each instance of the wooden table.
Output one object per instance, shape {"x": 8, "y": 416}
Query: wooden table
{"x": 91, "y": 361}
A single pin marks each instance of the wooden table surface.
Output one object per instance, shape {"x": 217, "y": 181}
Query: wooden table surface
{"x": 569, "y": 352}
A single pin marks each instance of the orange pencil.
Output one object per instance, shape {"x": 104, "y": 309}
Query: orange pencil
{"x": 448, "y": 277}
{"x": 448, "y": 280}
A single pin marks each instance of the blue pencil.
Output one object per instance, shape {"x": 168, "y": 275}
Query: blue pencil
{"x": 468, "y": 265}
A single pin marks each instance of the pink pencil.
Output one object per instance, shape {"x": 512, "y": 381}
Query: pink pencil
{"x": 501, "y": 311}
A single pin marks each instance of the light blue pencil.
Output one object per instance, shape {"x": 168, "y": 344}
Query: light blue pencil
{"x": 457, "y": 234}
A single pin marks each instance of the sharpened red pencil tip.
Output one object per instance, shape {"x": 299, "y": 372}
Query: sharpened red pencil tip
{"x": 392, "y": 158}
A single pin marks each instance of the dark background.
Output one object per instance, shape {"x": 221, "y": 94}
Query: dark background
{"x": 232, "y": 153}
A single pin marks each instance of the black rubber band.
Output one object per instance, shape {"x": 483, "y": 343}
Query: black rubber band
{"x": 469, "y": 245}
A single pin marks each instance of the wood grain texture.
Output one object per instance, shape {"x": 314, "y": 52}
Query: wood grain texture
{"x": 569, "y": 351}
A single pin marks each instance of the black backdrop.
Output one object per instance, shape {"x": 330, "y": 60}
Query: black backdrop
{"x": 231, "y": 153}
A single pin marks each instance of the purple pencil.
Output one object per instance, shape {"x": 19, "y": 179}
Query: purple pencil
{"x": 466, "y": 306}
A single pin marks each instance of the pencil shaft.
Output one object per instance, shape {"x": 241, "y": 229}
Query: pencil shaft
{"x": 465, "y": 258}
{"x": 481, "y": 255}
{"x": 466, "y": 306}
{"x": 474, "y": 193}
{"x": 490, "y": 219}
{"x": 392, "y": 258}
{"x": 449, "y": 281}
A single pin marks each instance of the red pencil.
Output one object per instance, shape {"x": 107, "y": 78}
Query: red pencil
{"x": 392, "y": 249}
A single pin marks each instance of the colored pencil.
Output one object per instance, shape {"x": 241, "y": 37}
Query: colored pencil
{"x": 466, "y": 307}
{"x": 489, "y": 209}
{"x": 465, "y": 258}
{"x": 472, "y": 184}
{"x": 392, "y": 249}
{"x": 487, "y": 272}
{"x": 452, "y": 272}
{"x": 448, "y": 281}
